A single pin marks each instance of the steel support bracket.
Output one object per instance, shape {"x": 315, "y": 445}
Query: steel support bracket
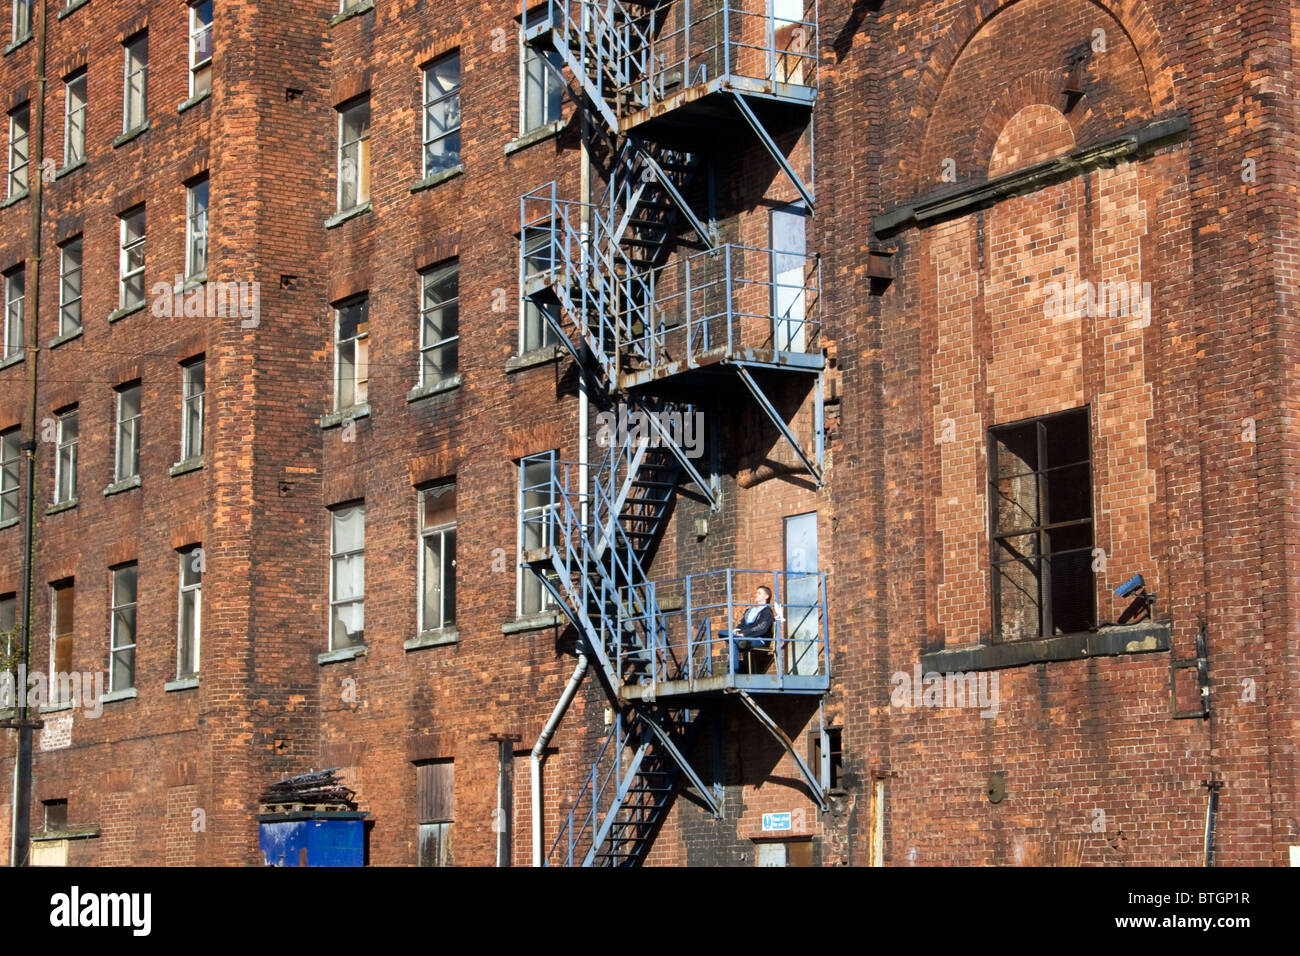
{"x": 814, "y": 468}
{"x": 705, "y": 792}
{"x": 772, "y": 148}
{"x": 766, "y": 720}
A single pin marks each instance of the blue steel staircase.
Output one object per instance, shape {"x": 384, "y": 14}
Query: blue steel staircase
{"x": 635, "y": 315}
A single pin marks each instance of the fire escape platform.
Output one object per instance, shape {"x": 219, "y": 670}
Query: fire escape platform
{"x": 695, "y": 368}
{"x": 679, "y": 117}
{"x": 727, "y": 684}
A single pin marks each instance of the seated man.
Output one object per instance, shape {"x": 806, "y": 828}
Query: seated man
{"x": 755, "y": 627}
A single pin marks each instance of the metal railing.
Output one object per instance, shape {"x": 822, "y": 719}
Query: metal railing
{"x": 599, "y": 797}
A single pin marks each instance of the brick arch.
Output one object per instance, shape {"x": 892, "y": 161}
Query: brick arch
{"x": 1134, "y": 22}
{"x": 1025, "y": 92}
{"x": 1035, "y": 133}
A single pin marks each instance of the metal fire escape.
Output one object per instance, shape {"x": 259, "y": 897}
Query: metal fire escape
{"x": 656, "y": 310}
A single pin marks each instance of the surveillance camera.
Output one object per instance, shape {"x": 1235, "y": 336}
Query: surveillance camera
{"x": 1131, "y": 586}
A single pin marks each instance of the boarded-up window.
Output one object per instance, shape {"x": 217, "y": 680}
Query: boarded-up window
{"x": 435, "y": 799}
{"x": 61, "y": 627}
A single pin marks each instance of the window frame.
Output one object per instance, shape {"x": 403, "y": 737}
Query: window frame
{"x": 197, "y": 67}
{"x": 66, "y": 305}
{"x": 11, "y": 457}
{"x": 197, "y": 226}
{"x": 68, "y": 584}
{"x": 361, "y": 161}
{"x": 189, "y": 398}
{"x": 194, "y": 640}
{"x": 131, "y": 425}
{"x": 427, "y": 108}
{"x": 335, "y": 556}
{"x": 135, "y": 48}
{"x": 524, "y": 577}
{"x": 8, "y": 622}
{"x": 428, "y": 278}
{"x": 360, "y": 383}
{"x": 127, "y": 248}
{"x": 26, "y": 7}
{"x": 1044, "y": 557}
{"x": 73, "y": 79}
{"x": 440, "y": 531}
{"x": 15, "y": 311}
{"x": 529, "y": 54}
{"x": 114, "y": 608}
{"x": 531, "y": 312}
{"x": 66, "y": 449}
{"x": 20, "y": 170}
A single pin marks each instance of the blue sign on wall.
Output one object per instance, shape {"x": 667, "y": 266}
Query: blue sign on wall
{"x": 776, "y": 821}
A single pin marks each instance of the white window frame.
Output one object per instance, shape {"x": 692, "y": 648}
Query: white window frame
{"x": 430, "y": 138}
{"x": 190, "y": 398}
{"x": 65, "y": 459}
{"x": 197, "y": 29}
{"x": 356, "y": 151}
{"x": 360, "y": 343}
{"x": 15, "y": 286}
{"x": 189, "y": 555}
{"x": 428, "y": 279}
{"x": 524, "y": 577}
{"x": 128, "y": 429}
{"x": 127, "y": 248}
{"x": 135, "y": 64}
{"x": 335, "y": 556}
{"x": 11, "y": 456}
{"x": 54, "y": 588}
{"x": 530, "y": 312}
{"x": 74, "y": 120}
{"x": 70, "y": 260}
{"x": 20, "y": 150}
{"x": 134, "y": 605}
{"x": 196, "y": 227}
{"x": 25, "y": 8}
{"x": 527, "y": 56}
{"x": 446, "y": 568}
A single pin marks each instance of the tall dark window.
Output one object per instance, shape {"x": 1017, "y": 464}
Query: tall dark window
{"x": 1041, "y": 489}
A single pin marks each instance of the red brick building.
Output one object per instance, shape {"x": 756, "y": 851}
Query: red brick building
{"x": 942, "y": 321}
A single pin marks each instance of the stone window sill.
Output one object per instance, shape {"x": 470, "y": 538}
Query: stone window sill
{"x": 424, "y": 391}
{"x": 342, "y": 654}
{"x": 126, "y": 484}
{"x": 126, "y": 310}
{"x": 8, "y": 523}
{"x": 340, "y": 218}
{"x": 436, "y": 638}
{"x": 441, "y": 176}
{"x": 79, "y": 833}
{"x": 72, "y": 7}
{"x": 56, "y": 708}
{"x": 181, "y": 683}
{"x": 186, "y": 466}
{"x": 71, "y": 168}
{"x": 1107, "y": 642}
{"x": 12, "y": 360}
{"x": 16, "y": 44}
{"x": 193, "y": 101}
{"x": 61, "y": 506}
{"x": 65, "y": 337}
{"x": 537, "y": 622}
{"x": 350, "y": 414}
{"x": 536, "y": 136}
{"x": 14, "y": 199}
{"x": 353, "y": 11}
{"x": 542, "y": 356}
{"x": 130, "y": 693}
{"x": 131, "y": 134}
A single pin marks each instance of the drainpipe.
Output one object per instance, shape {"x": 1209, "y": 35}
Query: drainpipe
{"x": 535, "y": 758}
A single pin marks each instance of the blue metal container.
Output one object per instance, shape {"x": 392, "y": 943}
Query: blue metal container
{"x": 306, "y": 839}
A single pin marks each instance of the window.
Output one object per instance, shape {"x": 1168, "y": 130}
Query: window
{"x": 70, "y": 287}
{"x": 134, "y": 85}
{"x": 22, "y": 19}
{"x": 540, "y": 85}
{"x": 196, "y": 228}
{"x": 193, "y": 381}
{"x": 347, "y": 576}
{"x": 127, "y": 463}
{"x": 354, "y": 153}
{"x": 121, "y": 661}
{"x": 65, "y": 462}
{"x": 437, "y": 557}
{"x": 14, "y": 284}
{"x": 10, "y": 459}
{"x": 200, "y": 47}
{"x": 435, "y": 798}
{"x": 830, "y": 766}
{"x": 19, "y": 149}
{"x": 538, "y": 505}
{"x": 351, "y": 349}
{"x": 56, "y": 815}
{"x": 536, "y": 331}
{"x": 8, "y": 627}
{"x": 191, "y": 612}
{"x": 442, "y": 114}
{"x": 1041, "y": 484}
{"x": 74, "y": 118}
{"x": 61, "y": 635}
{"x": 131, "y": 262}
{"x": 439, "y": 323}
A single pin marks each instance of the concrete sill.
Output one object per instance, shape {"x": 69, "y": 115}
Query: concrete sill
{"x": 350, "y": 414}
{"x": 424, "y": 391}
{"x": 436, "y": 638}
{"x": 8, "y": 523}
{"x": 186, "y": 466}
{"x": 181, "y": 683}
{"x": 536, "y": 136}
{"x": 61, "y": 506}
{"x": 340, "y": 218}
{"x": 441, "y": 176}
{"x": 537, "y": 622}
{"x": 126, "y": 310}
{"x": 79, "y": 833}
{"x": 56, "y": 708}
{"x": 1142, "y": 638}
{"x": 131, "y": 134}
{"x": 65, "y": 337}
{"x": 536, "y": 357}
{"x": 342, "y": 654}
{"x": 12, "y": 360}
{"x": 353, "y": 11}
{"x": 71, "y": 168}
{"x": 16, "y": 44}
{"x": 193, "y": 101}
{"x": 14, "y": 199}
{"x": 72, "y": 7}
{"x": 193, "y": 282}
{"x": 126, "y": 484}
{"x": 115, "y": 695}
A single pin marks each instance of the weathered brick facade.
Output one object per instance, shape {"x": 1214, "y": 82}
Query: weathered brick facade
{"x": 943, "y": 135}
